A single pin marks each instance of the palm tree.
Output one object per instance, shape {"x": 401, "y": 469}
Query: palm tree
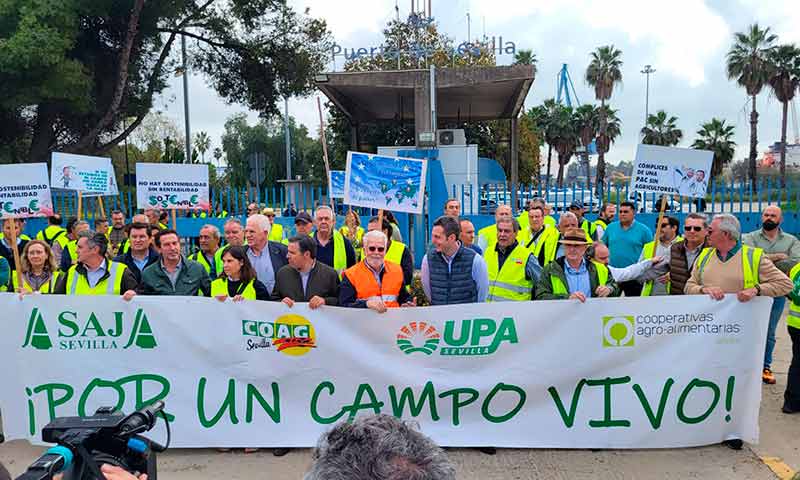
{"x": 202, "y": 142}
{"x": 717, "y": 137}
{"x": 588, "y": 118}
{"x": 542, "y": 117}
{"x": 603, "y": 73}
{"x": 661, "y": 130}
{"x": 784, "y": 79}
{"x": 526, "y": 57}
{"x": 565, "y": 134}
{"x": 748, "y": 64}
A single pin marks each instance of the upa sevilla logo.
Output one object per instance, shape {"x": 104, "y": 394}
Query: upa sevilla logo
{"x": 618, "y": 331}
{"x": 418, "y": 337}
{"x": 290, "y": 334}
{"x": 89, "y": 332}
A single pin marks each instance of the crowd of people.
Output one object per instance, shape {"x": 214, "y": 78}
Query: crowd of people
{"x": 531, "y": 257}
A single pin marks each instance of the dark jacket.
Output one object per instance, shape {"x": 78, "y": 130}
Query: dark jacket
{"x": 192, "y": 279}
{"x": 456, "y": 285}
{"x": 679, "y": 271}
{"x": 8, "y": 253}
{"x": 127, "y": 259}
{"x": 323, "y": 281}
{"x": 544, "y": 288}
{"x": 128, "y": 280}
{"x": 277, "y": 255}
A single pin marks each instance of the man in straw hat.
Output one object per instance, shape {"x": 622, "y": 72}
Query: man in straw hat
{"x": 572, "y": 275}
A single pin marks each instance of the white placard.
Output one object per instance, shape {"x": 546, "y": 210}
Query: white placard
{"x": 672, "y": 170}
{"x": 172, "y": 186}
{"x": 24, "y": 191}
{"x": 608, "y": 373}
{"x": 383, "y": 182}
{"x": 93, "y": 176}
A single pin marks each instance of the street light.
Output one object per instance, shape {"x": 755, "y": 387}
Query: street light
{"x": 647, "y": 71}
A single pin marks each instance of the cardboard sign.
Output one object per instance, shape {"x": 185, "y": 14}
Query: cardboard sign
{"x": 24, "y": 191}
{"x": 91, "y": 175}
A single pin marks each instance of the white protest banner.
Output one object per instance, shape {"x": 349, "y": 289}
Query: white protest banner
{"x": 390, "y": 183}
{"x": 336, "y": 183}
{"x": 608, "y": 373}
{"x": 82, "y": 173}
{"x": 24, "y": 191}
{"x": 172, "y": 186}
{"x": 672, "y": 170}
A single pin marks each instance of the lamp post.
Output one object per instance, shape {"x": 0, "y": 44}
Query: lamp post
{"x": 648, "y": 69}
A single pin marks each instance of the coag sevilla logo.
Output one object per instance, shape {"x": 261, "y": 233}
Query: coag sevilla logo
{"x": 618, "y": 331}
{"x": 290, "y": 334}
{"x": 418, "y": 337}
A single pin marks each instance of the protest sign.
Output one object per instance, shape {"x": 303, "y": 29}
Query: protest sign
{"x": 382, "y": 182}
{"x": 336, "y": 183}
{"x": 608, "y": 373}
{"x": 672, "y": 170}
{"x": 172, "y": 186}
{"x": 89, "y": 175}
{"x": 24, "y": 191}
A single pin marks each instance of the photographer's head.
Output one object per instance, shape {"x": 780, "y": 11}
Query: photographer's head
{"x": 385, "y": 446}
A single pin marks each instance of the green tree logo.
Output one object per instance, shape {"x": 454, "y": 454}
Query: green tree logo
{"x": 618, "y": 331}
{"x": 37, "y": 335}
{"x": 418, "y": 337}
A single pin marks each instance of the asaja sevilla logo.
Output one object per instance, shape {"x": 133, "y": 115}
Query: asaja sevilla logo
{"x": 290, "y": 334}
{"x": 418, "y": 337}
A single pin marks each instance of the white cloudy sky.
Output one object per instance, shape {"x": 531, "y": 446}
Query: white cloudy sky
{"x": 684, "y": 40}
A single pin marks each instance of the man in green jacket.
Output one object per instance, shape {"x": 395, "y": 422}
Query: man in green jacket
{"x": 173, "y": 274}
{"x": 572, "y": 275}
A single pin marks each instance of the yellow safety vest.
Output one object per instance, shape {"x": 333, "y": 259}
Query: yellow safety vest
{"x": 560, "y": 289}
{"x": 648, "y": 252}
{"x": 589, "y": 228}
{"x": 21, "y": 236}
{"x": 525, "y": 222}
{"x": 339, "y": 253}
{"x": 600, "y": 223}
{"x": 276, "y": 234}
{"x": 793, "y": 319}
{"x": 220, "y": 287}
{"x": 201, "y": 259}
{"x": 524, "y": 238}
{"x": 358, "y": 246}
{"x": 218, "y": 260}
{"x": 46, "y": 287}
{"x": 490, "y": 234}
{"x": 78, "y": 285}
{"x": 53, "y": 234}
{"x": 508, "y": 284}
{"x": 72, "y": 248}
{"x": 751, "y": 260}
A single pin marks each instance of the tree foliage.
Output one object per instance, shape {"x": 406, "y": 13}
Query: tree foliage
{"x": 73, "y": 71}
{"x": 604, "y": 73}
{"x": 717, "y": 137}
{"x": 661, "y": 129}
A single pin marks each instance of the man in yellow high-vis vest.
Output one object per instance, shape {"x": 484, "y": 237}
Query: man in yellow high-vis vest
{"x": 573, "y": 276}
{"x": 791, "y": 398}
{"x": 551, "y": 247}
{"x": 93, "y": 274}
{"x": 276, "y": 229}
{"x": 488, "y": 235}
{"x": 512, "y": 268}
{"x": 656, "y": 280}
{"x": 208, "y": 240}
{"x": 396, "y": 252}
{"x": 332, "y": 248}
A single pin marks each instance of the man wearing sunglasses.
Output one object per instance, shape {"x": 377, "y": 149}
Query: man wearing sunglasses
{"x": 656, "y": 280}
{"x": 374, "y": 283}
{"x": 683, "y": 254}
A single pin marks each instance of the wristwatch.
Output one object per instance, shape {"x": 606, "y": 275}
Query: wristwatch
{"x": 758, "y": 290}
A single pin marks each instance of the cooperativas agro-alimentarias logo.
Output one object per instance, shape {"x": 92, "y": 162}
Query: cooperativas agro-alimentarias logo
{"x": 618, "y": 331}
{"x": 290, "y": 334}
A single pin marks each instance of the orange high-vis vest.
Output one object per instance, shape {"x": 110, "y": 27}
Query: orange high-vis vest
{"x": 367, "y": 288}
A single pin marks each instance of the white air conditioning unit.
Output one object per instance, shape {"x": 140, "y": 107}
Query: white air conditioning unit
{"x": 450, "y": 137}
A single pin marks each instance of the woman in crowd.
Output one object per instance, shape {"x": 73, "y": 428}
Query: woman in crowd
{"x": 239, "y": 281}
{"x": 396, "y": 235}
{"x": 353, "y": 231}
{"x": 39, "y": 270}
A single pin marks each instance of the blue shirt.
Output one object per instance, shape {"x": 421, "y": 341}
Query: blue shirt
{"x": 625, "y": 245}
{"x": 5, "y": 271}
{"x": 578, "y": 280}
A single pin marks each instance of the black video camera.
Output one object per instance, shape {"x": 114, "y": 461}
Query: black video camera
{"x": 110, "y": 437}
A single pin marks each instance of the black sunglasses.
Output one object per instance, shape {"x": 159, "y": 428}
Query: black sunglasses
{"x": 694, "y": 229}
{"x": 376, "y": 249}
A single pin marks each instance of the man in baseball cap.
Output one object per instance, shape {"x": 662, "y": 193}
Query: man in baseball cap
{"x": 572, "y": 275}
{"x": 303, "y": 223}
